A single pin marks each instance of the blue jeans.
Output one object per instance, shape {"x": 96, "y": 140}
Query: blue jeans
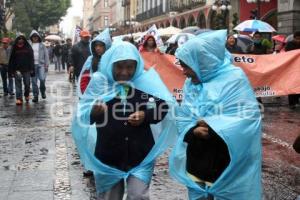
{"x": 8, "y": 87}
{"x": 40, "y": 75}
{"x": 25, "y": 76}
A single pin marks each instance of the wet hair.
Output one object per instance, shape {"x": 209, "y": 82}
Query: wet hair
{"x": 297, "y": 33}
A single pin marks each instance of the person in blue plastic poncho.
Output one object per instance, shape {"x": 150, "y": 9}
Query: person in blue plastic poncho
{"x": 129, "y": 113}
{"x": 218, "y": 152}
{"x": 98, "y": 46}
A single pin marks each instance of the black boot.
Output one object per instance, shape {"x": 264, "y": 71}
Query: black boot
{"x": 35, "y": 99}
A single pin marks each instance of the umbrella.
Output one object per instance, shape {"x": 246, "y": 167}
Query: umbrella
{"x": 47, "y": 44}
{"x": 198, "y": 32}
{"x": 243, "y": 41}
{"x": 53, "y": 37}
{"x": 279, "y": 38}
{"x": 190, "y": 29}
{"x": 171, "y": 30}
{"x": 180, "y": 38}
{"x": 254, "y": 25}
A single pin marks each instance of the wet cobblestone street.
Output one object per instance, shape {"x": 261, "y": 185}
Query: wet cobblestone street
{"x": 38, "y": 159}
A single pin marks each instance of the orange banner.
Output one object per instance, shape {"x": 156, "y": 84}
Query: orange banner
{"x": 170, "y": 71}
{"x": 270, "y": 75}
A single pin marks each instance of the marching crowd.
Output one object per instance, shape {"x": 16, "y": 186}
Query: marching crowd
{"x": 126, "y": 117}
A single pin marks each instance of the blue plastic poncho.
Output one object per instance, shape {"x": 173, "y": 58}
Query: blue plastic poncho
{"x": 103, "y": 87}
{"x": 104, "y": 37}
{"x": 225, "y": 101}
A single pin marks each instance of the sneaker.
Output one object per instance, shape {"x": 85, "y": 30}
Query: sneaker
{"x": 27, "y": 99}
{"x": 35, "y": 99}
{"x": 5, "y": 94}
{"x": 19, "y": 102}
{"x": 44, "y": 96}
{"x": 11, "y": 94}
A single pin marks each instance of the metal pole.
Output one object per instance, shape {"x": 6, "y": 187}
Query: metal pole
{"x": 258, "y": 9}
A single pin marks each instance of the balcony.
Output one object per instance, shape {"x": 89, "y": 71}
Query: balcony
{"x": 153, "y": 12}
{"x": 180, "y": 6}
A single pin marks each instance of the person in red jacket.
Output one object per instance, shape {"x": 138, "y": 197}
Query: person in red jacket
{"x": 97, "y": 47}
{"x": 149, "y": 45}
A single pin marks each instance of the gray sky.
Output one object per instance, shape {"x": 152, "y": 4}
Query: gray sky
{"x": 75, "y": 10}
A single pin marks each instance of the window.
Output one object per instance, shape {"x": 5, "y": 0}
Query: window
{"x": 105, "y": 21}
{"x": 105, "y": 3}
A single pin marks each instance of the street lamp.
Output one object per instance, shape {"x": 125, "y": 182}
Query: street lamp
{"x": 221, "y": 7}
{"x": 131, "y": 23}
{"x": 256, "y": 12}
{"x": 111, "y": 28}
{"x": 222, "y": 4}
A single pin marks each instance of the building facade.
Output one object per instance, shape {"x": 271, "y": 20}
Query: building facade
{"x": 130, "y": 8}
{"x": 117, "y": 17}
{"x": 288, "y": 16}
{"x": 177, "y": 13}
{"x": 87, "y": 14}
{"x": 101, "y": 15}
{"x": 183, "y": 13}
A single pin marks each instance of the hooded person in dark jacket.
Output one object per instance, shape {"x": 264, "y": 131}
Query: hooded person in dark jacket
{"x": 21, "y": 66}
{"x": 66, "y": 48}
{"x": 80, "y": 52}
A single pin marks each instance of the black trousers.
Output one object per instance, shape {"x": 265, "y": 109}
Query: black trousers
{"x": 293, "y": 99}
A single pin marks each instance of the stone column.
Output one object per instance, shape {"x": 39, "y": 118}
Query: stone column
{"x": 288, "y": 16}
